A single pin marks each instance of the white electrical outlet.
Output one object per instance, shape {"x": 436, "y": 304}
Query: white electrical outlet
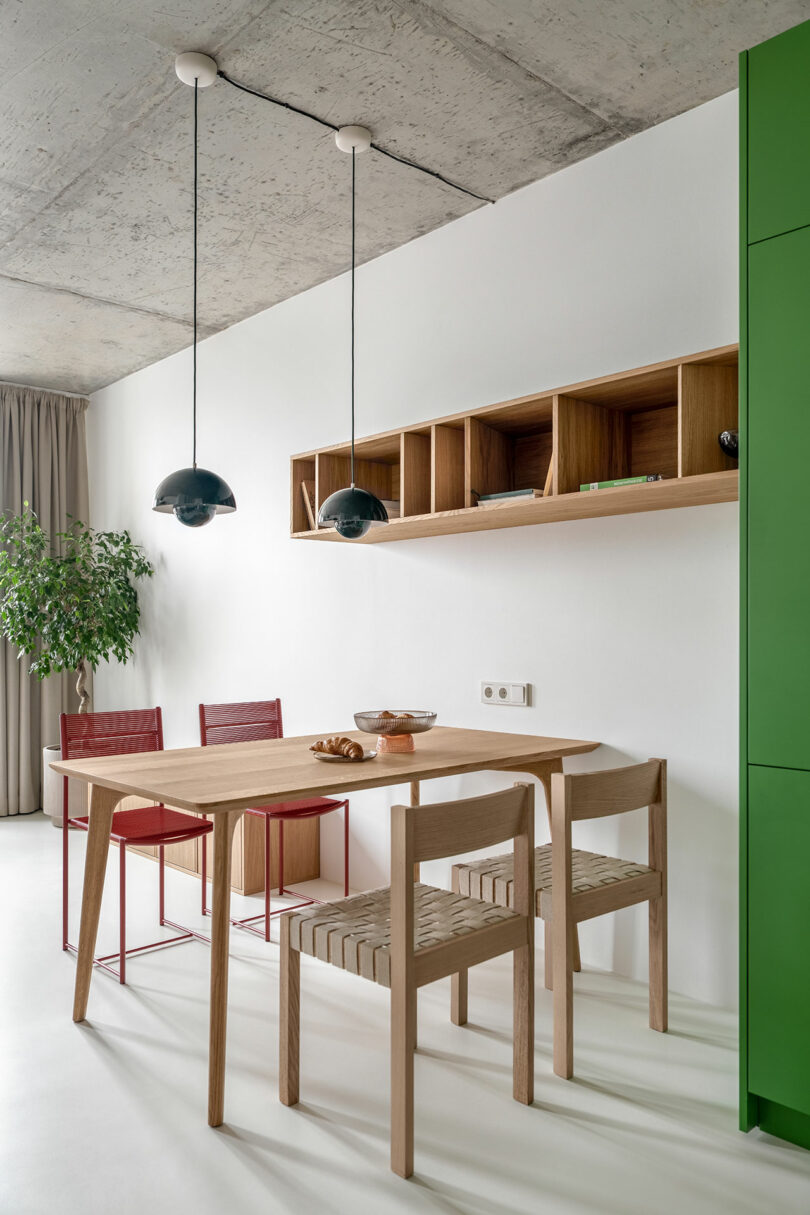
{"x": 494, "y": 692}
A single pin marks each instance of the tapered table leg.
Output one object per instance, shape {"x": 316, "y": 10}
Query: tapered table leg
{"x": 102, "y": 803}
{"x": 224, "y": 825}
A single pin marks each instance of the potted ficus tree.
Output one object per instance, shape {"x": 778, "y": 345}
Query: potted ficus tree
{"x": 70, "y": 600}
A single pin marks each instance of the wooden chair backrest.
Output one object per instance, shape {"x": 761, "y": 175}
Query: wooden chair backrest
{"x": 426, "y": 833}
{"x": 614, "y": 791}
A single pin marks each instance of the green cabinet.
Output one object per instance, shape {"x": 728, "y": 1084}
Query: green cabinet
{"x": 779, "y": 936}
{"x": 778, "y": 121}
{"x": 775, "y": 586}
{"x": 779, "y": 501}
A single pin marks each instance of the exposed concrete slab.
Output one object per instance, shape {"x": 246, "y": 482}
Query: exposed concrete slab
{"x": 67, "y": 342}
{"x": 95, "y": 143}
{"x": 633, "y": 62}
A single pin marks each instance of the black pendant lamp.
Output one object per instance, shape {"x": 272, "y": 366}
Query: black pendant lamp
{"x": 194, "y": 495}
{"x": 352, "y": 511}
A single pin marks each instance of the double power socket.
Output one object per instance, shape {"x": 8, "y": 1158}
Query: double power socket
{"x": 495, "y": 693}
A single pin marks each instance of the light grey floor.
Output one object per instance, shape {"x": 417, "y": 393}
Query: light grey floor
{"x": 109, "y": 1118}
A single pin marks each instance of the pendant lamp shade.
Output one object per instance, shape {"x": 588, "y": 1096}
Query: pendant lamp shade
{"x": 352, "y": 511}
{"x": 194, "y": 495}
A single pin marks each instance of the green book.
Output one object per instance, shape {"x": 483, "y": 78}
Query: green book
{"x": 619, "y": 481}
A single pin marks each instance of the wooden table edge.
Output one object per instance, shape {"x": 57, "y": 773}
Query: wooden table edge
{"x": 371, "y": 781}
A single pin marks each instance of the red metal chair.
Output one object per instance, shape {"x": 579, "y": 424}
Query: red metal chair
{"x": 249, "y": 721}
{"x": 90, "y": 735}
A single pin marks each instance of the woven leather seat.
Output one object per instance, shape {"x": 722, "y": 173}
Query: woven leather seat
{"x": 354, "y": 934}
{"x": 491, "y": 879}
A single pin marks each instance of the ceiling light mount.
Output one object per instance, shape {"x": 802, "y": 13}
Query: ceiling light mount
{"x": 353, "y": 139}
{"x": 194, "y": 66}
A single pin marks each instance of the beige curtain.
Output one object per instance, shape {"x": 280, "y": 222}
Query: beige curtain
{"x": 43, "y": 461}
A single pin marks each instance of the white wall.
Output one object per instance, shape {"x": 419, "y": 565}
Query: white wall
{"x": 627, "y": 627}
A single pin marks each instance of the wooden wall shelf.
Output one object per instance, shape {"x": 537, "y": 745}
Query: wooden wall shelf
{"x": 664, "y": 419}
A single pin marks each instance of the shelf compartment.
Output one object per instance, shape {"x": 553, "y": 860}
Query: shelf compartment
{"x": 415, "y": 477}
{"x": 602, "y": 443}
{"x": 707, "y": 405}
{"x": 499, "y": 459}
{"x": 302, "y": 473}
{"x": 446, "y": 467}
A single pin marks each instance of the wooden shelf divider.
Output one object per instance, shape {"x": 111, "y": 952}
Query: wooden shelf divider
{"x": 658, "y": 420}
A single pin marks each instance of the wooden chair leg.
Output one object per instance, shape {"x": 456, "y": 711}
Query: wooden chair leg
{"x": 658, "y": 965}
{"x": 523, "y": 1025}
{"x": 563, "y": 971}
{"x": 659, "y": 995}
{"x": 281, "y": 856}
{"x": 403, "y": 1035}
{"x": 548, "y": 954}
{"x": 458, "y": 997}
{"x": 459, "y": 983}
{"x": 545, "y": 780}
{"x": 289, "y": 1018}
{"x": 563, "y": 927}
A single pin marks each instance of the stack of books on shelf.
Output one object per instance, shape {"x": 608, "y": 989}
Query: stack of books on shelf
{"x": 619, "y": 481}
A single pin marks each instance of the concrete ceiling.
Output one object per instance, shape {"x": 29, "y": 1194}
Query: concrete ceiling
{"x": 95, "y": 143}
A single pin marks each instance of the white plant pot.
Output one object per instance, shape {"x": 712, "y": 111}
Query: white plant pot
{"x": 52, "y": 802}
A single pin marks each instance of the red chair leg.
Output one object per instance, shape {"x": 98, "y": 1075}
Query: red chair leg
{"x": 346, "y": 850}
{"x": 161, "y": 886}
{"x": 65, "y": 862}
{"x": 122, "y": 914}
{"x": 204, "y": 871}
{"x": 268, "y": 874}
{"x": 281, "y": 856}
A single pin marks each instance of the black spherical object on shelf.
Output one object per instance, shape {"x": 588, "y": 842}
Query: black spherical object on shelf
{"x": 729, "y": 440}
{"x": 194, "y": 496}
{"x": 352, "y": 512}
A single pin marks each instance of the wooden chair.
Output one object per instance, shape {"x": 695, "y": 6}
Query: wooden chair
{"x": 127, "y": 732}
{"x": 408, "y": 934}
{"x": 572, "y": 885}
{"x": 248, "y": 721}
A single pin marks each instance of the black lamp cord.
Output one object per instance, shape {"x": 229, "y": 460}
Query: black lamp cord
{"x": 354, "y": 170}
{"x": 194, "y": 378}
{"x": 403, "y": 160}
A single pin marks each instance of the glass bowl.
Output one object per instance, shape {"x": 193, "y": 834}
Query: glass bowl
{"x": 404, "y": 721}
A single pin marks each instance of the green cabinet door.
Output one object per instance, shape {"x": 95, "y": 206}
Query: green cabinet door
{"x": 779, "y": 502}
{"x": 779, "y": 134}
{"x": 779, "y": 936}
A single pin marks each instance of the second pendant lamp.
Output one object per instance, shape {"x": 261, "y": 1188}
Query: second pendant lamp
{"x": 352, "y": 511}
{"x": 194, "y": 495}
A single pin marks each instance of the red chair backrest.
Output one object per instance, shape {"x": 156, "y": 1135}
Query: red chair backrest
{"x": 247, "y": 721}
{"x": 91, "y": 735}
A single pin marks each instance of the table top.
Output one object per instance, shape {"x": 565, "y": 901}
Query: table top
{"x": 234, "y": 776}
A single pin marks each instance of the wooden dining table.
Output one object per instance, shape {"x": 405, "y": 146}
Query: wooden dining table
{"x": 225, "y": 780}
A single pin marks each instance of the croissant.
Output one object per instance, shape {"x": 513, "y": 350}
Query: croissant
{"x": 339, "y": 745}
